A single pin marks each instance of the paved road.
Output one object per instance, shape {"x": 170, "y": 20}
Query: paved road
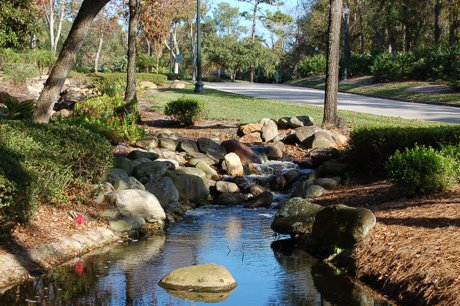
{"x": 351, "y": 102}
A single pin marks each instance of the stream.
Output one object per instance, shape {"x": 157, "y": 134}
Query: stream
{"x": 237, "y": 238}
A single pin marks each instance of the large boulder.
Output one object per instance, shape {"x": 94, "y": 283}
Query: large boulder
{"x": 135, "y": 154}
{"x": 168, "y": 143}
{"x": 251, "y": 138}
{"x": 211, "y": 148}
{"x": 300, "y": 121}
{"x": 123, "y": 163}
{"x": 128, "y": 183}
{"x": 229, "y": 198}
{"x": 178, "y": 84}
{"x": 327, "y": 182}
{"x": 140, "y": 203}
{"x": 342, "y": 226}
{"x": 164, "y": 190}
{"x": 269, "y": 130}
{"x": 244, "y": 152}
{"x": 296, "y": 216}
{"x": 249, "y": 128}
{"x": 264, "y": 199}
{"x": 305, "y": 134}
{"x": 232, "y": 165}
{"x": 193, "y": 171}
{"x": 148, "y": 144}
{"x": 188, "y": 146}
{"x": 203, "y": 278}
{"x": 151, "y": 171}
{"x": 224, "y": 186}
{"x": 194, "y": 158}
{"x": 322, "y": 139}
{"x": 116, "y": 174}
{"x": 283, "y": 123}
{"x": 191, "y": 187}
{"x": 127, "y": 223}
{"x": 208, "y": 170}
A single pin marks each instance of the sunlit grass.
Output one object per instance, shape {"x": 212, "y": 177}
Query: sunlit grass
{"x": 397, "y": 90}
{"x": 228, "y": 106}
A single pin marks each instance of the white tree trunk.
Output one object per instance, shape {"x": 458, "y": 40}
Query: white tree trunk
{"x": 98, "y": 53}
{"x": 176, "y": 47}
{"x": 61, "y": 20}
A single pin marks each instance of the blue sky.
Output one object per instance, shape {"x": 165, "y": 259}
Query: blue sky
{"x": 289, "y": 7}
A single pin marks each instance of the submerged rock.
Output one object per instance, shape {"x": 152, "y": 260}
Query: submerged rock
{"x": 199, "y": 278}
{"x": 127, "y": 223}
{"x": 264, "y": 199}
{"x": 296, "y": 216}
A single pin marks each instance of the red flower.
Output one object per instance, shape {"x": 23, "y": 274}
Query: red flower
{"x": 80, "y": 220}
{"x": 79, "y": 267}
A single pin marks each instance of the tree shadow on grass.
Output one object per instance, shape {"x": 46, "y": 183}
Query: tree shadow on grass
{"x": 421, "y": 222}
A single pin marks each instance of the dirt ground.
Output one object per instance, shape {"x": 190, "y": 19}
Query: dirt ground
{"x": 412, "y": 255}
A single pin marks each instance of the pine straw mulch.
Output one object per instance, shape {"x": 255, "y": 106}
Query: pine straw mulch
{"x": 413, "y": 253}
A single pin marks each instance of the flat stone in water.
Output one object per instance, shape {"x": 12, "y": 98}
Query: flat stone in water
{"x": 199, "y": 278}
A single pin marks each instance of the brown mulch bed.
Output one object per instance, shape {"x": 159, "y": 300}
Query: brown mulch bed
{"x": 413, "y": 253}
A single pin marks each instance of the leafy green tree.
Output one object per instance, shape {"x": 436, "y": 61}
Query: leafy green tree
{"x": 17, "y": 23}
{"x": 227, "y": 19}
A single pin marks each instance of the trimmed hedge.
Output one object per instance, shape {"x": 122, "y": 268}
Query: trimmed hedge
{"x": 369, "y": 148}
{"x": 46, "y": 164}
{"x": 184, "y": 110}
{"x": 114, "y": 83}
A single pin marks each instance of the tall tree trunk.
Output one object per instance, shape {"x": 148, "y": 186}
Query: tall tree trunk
{"x": 253, "y": 36}
{"x": 437, "y": 22}
{"x": 61, "y": 20}
{"x": 192, "y": 51}
{"x": 98, "y": 52}
{"x": 177, "y": 51}
{"x": 454, "y": 24}
{"x": 66, "y": 60}
{"x": 332, "y": 66}
{"x": 158, "y": 62}
{"x": 130, "y": 93}
{"x": 51, "y": 26}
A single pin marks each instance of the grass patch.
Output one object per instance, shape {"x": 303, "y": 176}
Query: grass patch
{"x": 221, "y": 105}
{"x": 398, "y": 90}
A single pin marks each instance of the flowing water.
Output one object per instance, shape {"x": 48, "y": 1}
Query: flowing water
{"x": 237, "y": 238}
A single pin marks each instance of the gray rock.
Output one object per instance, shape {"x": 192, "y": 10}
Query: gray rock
{"x": 251, "y": 138}
{"x": 320, "y": 155}
{"x": 148, "y": 85}
{"x": 202, "y": 278}
{"x": 296, "y": 216}
{"x": 101, "y": 190}
{"x": 290, "y": 139}
{"x": 111, "y": 213}
{"x": 332, "y": 167}
{"x": 139, "y": 203}
{"x": 232, "y": 165}
{"x": 211, "y": 148}
{"x": 210, "y": 172}
{"x": 151, "y": 171}
{"x": 255, "y": 190}
{"x": 291, "y": 176}
{"x": 313, "y": 191}
{"x": 304, "y": 120}
{"x": 190, "y": 187}
{"x": 188, "y": 146}
{"x": 305, "y": 134}
{"x": 249, "y": 128}
{"x": 342, "y": 226}
{"x": 323, "y": 140}
{"x": 178, "y": 84}
{"x": 116, "y": 174}
{"x": 224, "y": 186}
{"x": 168, "y": 143}
{"x": 138, "y": 154}
{"x": 172, "y": 163}
{"x": 327, "y": 182}
{"x": 123, "y": 163}
{"x": 148, "y": 143}
{"x": 275, "y": 150}
{"x": 283, "y": 123}
{"x": 229, "y": 198}
{"x": 264, "y": 199}
{"x": 295, "y": 122}
{"x": 269, "y": 130}
{"x": 128, "y": 183}
{"x": 278, "y": 183}
{"x": 194, "y": 158}
{"x": 301, "y": 188}
{"x": 164, "y": 190}
{"x": 193, "y": 171}
{"x": 127, "y": 223}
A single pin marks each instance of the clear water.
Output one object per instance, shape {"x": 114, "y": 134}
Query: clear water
{"x": 239, "y": 239}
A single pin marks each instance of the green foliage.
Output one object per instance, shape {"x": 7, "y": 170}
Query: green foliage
{"x": 110, "y": 116}
{"x": 145, "y": 62}
{"x": 370, "y": 147}
{"x": 184, "y": 110}
{"x": 313, "y": 66}
{"x": 16, "y": 109}
{"x": 391, "y": 67}
{"x": 17, "y": 23}
{"x": 359, "y": 65}
{"x": 19, "y": 72}
{"x": 175, "y": 76}
{"x": 46, "y": 164}
{"x": 422, "y": 170}
{"x": 114, "y": 83}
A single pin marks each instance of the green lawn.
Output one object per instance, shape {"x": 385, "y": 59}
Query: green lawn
{"x": 399, "y": 90}
{"x": 223, "y": 105}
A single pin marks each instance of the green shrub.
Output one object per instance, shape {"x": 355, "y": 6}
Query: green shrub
{"x": 114, "y": 83}
{"x": 20, "y": 72}
{"x": 46, "y": 164}
{"x": 184, "y": 110}
{"x": 313, "y": 66}
{"x": 453, "y": 151}
{"x": 145, "y": 62}
{"x": 110, "y": 116}
{"x": 391, "y": 67}
{"x": 359, "y": 65}
{"x": 422, "y": 170}
{"x": 369, "y": 148}
{"x": 176, "y": 76}
{"x": 16, "y": 109}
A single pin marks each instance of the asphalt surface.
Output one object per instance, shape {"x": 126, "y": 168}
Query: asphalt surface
{"x": 357, "y": 103}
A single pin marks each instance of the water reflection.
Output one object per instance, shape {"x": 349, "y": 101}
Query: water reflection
{"x": 236, "y": 238}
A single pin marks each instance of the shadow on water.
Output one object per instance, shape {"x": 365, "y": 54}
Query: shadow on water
{"x": 237, "y": 238}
